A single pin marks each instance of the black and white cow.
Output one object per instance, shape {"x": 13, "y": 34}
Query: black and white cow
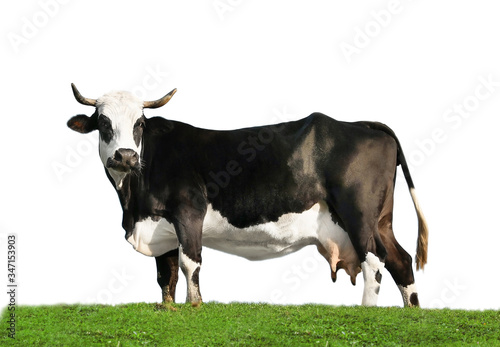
{"x": 259, "y": 192}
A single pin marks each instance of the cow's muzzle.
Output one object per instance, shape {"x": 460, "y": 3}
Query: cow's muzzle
{"x": 124, "y": 160}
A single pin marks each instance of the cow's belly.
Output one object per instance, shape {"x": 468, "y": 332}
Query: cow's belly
{"x": 290, "y": 233}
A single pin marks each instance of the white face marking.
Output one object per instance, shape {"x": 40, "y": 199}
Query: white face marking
{"x": 153, "y": 238}
{"x": 370, "y": 267}
{"x": 188, "y": 267}
{"x": 406, "y": 292}
{"x": 123, "y": 110}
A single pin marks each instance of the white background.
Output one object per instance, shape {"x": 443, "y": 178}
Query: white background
{"x": 410, "y": 64}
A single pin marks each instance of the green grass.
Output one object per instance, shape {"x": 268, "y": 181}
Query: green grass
{"x": 215, "y": 324}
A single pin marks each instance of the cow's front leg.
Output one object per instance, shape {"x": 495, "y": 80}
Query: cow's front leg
{"x": 167, "y": 267}
{"x": 190, "y": 265}
{"x": 188, "y": 220}
{"x": 188, "y": 226}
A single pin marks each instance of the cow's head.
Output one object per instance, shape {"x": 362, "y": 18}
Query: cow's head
{"x": 120, "y": 120}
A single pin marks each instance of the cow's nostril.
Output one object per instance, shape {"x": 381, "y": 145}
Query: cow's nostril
{"x": 133, "y": 160}
{"x": 118, "y": 156}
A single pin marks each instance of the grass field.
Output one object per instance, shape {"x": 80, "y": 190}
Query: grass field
{"x": 214, "y": 324}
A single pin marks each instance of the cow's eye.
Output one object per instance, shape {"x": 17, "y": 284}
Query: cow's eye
{"x": 104, "y": 122}
{"x": 104, "y": 125}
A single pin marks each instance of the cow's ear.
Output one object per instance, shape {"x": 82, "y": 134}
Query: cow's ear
{"x": 83, "y": 124}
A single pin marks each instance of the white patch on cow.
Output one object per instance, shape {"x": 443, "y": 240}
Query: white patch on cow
{"x": 188, "y": 267}
{"x": 123, "y": 109}
{"x": 406, "y": 292}
{"x": 370, "y": 267}
{"x": 288, "y": 234}
{"x": 117, "y": 177}
{"x": 153, "y": 238}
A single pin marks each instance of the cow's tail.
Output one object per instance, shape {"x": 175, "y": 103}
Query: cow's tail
{"x": 423, "y": 231}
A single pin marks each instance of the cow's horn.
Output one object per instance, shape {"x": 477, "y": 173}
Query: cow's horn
{"x": 81, "y": 99}
{"x": 159, "y": 102}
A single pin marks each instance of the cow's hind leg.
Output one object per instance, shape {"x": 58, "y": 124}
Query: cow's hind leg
{"x": 362, "y": 229}
{"x": 399, "y": 264}
{"x": 359, "y": 217}
{"x": 362, "y": 196}
{"x": 372, "y": 268}
{"x": 358, "y": 207}
{"x": 167, "y": 267}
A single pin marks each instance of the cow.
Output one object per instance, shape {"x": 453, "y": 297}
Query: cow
{"x": 259, "y": 193}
